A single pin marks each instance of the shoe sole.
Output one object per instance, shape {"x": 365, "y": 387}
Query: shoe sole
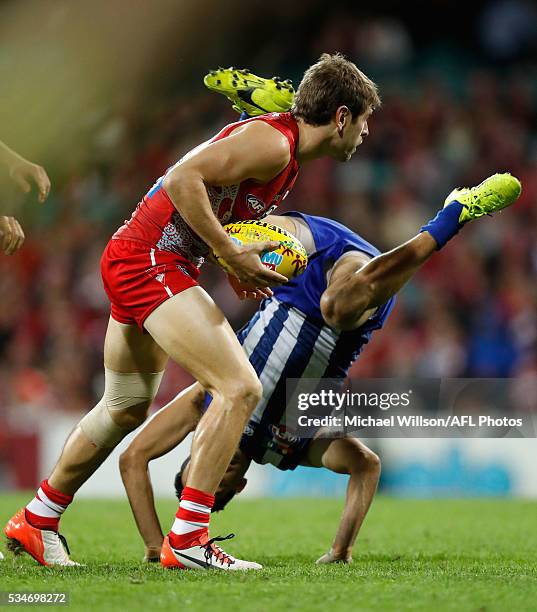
{"x": 243, "y": 82}
{"x": 17, "y": 548}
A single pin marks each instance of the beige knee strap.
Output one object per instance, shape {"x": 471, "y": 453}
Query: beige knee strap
{"x": 121, "y": 392}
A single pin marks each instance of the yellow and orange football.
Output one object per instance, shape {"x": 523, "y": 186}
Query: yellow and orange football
{"x": 289, "y": 259}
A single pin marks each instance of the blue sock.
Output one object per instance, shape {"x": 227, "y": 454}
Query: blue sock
{"x": 244, "y": 115}
{"x": 445, "y": 225}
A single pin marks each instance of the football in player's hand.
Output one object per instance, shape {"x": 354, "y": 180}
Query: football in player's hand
{"x": 289, "y": 259}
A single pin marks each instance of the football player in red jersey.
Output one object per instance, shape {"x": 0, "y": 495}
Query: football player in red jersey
{"x": 24, "y": 173}
{"x": 158, "y": 310}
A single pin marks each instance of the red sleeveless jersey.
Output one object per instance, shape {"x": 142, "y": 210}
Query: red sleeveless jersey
{"x": 156, "y": 221}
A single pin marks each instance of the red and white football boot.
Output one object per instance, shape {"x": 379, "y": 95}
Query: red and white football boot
{"x": 204, "y": 554}
{"x": 45, "y": 546}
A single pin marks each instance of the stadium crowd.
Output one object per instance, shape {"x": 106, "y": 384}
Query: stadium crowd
{"x": 472, "y": 311}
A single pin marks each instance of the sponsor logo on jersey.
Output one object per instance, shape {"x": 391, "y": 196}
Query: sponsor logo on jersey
{"x": 255, "y": 205}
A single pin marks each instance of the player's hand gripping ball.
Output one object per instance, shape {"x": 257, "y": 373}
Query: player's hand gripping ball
{"x": 289, "y": 259}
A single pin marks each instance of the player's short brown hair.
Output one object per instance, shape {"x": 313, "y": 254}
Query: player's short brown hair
{"x": 332, "y": 82}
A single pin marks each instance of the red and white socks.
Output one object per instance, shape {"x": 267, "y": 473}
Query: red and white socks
{"x": 192, "y": 518}
{"x": 191, "y": 522}
{"x": 46, "y": 508}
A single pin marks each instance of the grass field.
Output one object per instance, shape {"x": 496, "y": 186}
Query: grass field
{"x": 412, "y": 555}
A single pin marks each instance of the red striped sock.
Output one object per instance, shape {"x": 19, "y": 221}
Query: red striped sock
{"x": 192, "y": 518}
{"x": 46, "y": 508}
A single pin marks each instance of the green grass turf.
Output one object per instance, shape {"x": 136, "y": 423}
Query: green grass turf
{"x": 411, "y": 555}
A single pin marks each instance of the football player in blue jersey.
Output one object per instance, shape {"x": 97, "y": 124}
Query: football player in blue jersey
{"x": 294, "y": 333}
{"x": 314, "y": 326}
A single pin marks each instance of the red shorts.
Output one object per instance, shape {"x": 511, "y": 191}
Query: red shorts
{"x": 138, "y": 278}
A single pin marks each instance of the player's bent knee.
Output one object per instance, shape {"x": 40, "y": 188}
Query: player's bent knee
{"x": 244, "y": 390}
{"x": 341, "y": 313}
{"x": 240, "y": 398}
{"x": 247, "y": 392}
{"x": 373, "y": 461}
{"x": 123, "y": 407}
{"x": 367, "y": 463}
{"x": 131, "y": 417}
{"x": 361, "y": 458}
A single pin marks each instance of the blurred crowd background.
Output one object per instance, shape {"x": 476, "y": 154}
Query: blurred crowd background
{"x": 106, "y": 95}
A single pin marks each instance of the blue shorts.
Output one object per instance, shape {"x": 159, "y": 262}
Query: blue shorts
{"x": 270, "y": 444}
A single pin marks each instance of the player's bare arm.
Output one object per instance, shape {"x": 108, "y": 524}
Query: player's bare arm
{"x": 359, "y": 284}
{"x": 353, "y": 457}
{"x": 162, "y": 433}
{"x": 254, "y": 151}
{"x": 354, "y": 291}
{"x": 283, "y": 221}
{"x": 24, "y": 172}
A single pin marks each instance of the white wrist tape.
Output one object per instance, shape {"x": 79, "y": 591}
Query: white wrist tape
{"x": 122, "y": 392}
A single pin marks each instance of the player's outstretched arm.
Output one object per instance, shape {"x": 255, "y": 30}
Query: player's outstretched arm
{"x": 354, "y": 290}
{"x": 254, "y": 151}
{"x": 357, "y": 288}
{"x": 24, "y": 172}
{"x": 162, "y": 433}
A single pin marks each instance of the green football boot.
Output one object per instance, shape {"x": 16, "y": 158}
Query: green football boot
{"x": 249, "y": 93}
{"x": 493, "y": 194}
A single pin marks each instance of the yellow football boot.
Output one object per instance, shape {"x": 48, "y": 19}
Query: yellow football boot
{"x": 249, "y": 93}
{"x": 494, "y": 193}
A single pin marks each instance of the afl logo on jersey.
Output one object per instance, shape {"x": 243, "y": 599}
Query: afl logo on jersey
{"x": 255, "y": 205}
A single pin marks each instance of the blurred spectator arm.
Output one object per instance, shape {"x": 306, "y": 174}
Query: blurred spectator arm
{"x": 24, "y": 172}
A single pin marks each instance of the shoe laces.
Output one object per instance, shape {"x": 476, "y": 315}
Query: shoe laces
{"x": 481, "y": 204}
{"x": 213, "y": 550}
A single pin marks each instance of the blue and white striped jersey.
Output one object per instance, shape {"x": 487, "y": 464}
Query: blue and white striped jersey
{"x": 288, "y": 338}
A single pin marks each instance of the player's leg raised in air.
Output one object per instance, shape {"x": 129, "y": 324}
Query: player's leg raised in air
{"x": 250, "y": 93}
